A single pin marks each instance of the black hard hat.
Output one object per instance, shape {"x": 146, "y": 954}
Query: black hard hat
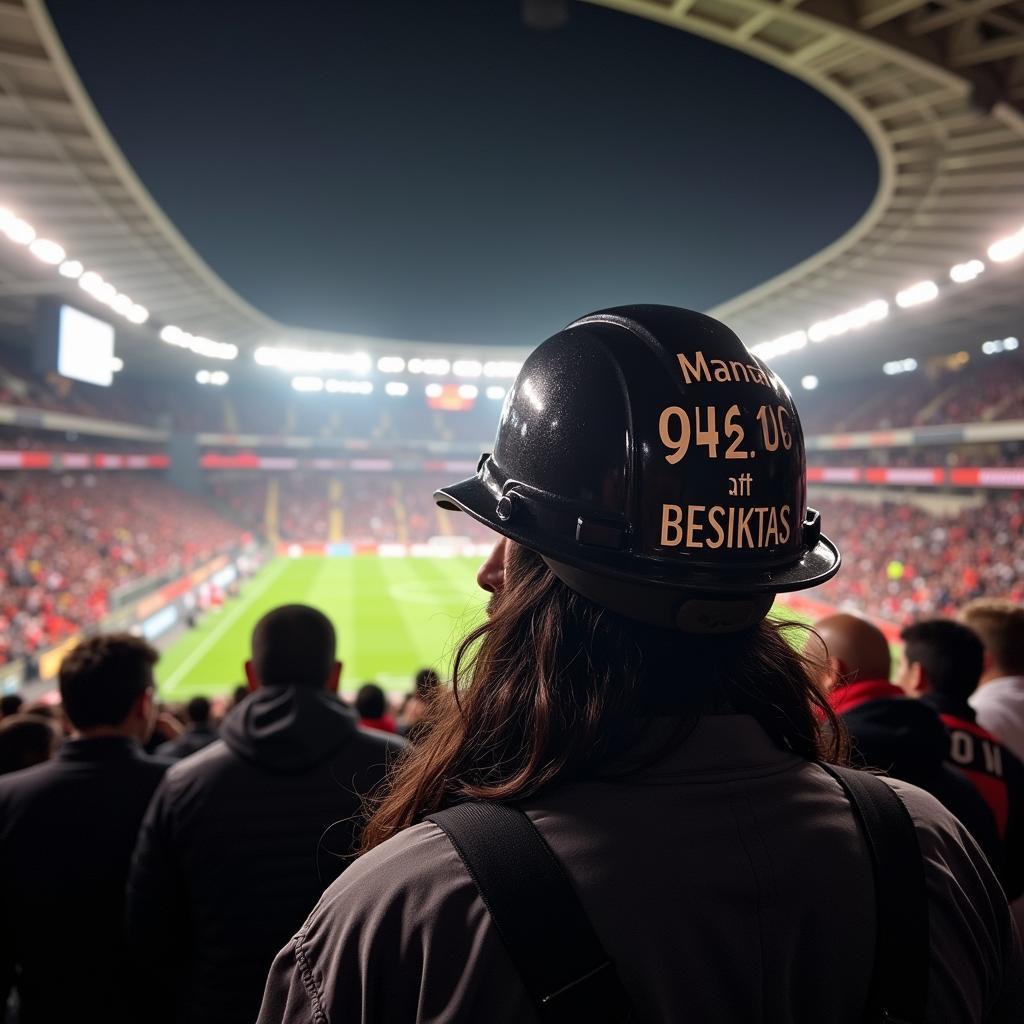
{"x": 658, "y": 468}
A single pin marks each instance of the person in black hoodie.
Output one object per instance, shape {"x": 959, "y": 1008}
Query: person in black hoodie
{"x": 200, "y": 732}
{"x": 241, "y": 839}
{"x": 892, "y": 733}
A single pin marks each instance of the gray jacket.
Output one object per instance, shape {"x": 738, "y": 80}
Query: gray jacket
{"x": 732, "y": 886}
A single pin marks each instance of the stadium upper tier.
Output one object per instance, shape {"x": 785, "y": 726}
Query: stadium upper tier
{"x": 936, "y": 86}
{"x": 950, "y": 389}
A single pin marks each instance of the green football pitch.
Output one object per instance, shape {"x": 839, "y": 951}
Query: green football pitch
{"x": 393, "y": 616}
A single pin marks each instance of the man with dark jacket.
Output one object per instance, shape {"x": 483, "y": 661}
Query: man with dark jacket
{"x": 67, "y": 831}
{"x": 242, "y": 838}
{"x": 200, "y": 732}
{"x": 893, "y": 733}
{"x": 942, "y": 663}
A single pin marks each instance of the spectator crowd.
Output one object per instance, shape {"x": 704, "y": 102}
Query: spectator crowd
{"x": 169, "y": 879}
{"x": 281, "y": 771}
{"x": 68, "y": 542}
{"x": 903, "y": 561}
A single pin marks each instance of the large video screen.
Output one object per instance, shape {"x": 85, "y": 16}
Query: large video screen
{"x": 85, "y": 347}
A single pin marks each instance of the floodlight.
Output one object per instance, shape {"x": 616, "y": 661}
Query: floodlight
{"x": 47, "y": 252}
{"x": 917, "y": 294}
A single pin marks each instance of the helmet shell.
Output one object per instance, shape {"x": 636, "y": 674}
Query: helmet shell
{"x": 645, "y": 444}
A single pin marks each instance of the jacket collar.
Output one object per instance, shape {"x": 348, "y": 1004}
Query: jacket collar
{"x": 725, "y": 745}
{"x": 851, "y": 695}
{"x": 102, "y": 748}
{"x": 944, "y": 704}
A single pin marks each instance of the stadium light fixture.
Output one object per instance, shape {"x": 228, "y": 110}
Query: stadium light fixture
{"x": 854, "y": 320}
{"x": 116, "y": 364}
{"x": 90, "y": 281}
{"x": 431, "y": 367}
{"x": 391, "y": 364}
{"x": 781, "y": 345}
{"x": 496, "y": 392}
{"x": 899, "y": 366}
{"x": 433, "y": 390}
{"x": 47, "y": 251}
{"x": 216, "y": 378}
{"x": 468, "y": 391}
{"x": 997, "y": 345}
{"x": 809, "y": 383}
{"x": 467, "y": 368}
{"x": 501, "y": 369}
{"x": 17, "y": 230}
{"x": 964, "y": 272}
{"x": 347, "y": 387}
{"x": 1008, "y": 248}
{"x": 173, "y": 335}
{"x": 917, "y": 294}
{"x": 53, "y": 254}
{"x": 308, "y": 384}
{"x": 396, "y": 388}
{"x": 293, "y": 360}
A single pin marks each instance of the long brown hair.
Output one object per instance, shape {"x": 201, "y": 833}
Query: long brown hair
{"x": 554, "y": 688}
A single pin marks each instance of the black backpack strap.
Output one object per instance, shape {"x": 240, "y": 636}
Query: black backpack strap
{"x": 899, "y": 990}
{"x": 537, "y": 914}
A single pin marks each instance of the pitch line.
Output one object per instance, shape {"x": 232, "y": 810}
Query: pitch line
{"x": 218, "y": 630}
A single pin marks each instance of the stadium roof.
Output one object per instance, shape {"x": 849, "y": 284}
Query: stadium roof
{"x": 937, "y": 86}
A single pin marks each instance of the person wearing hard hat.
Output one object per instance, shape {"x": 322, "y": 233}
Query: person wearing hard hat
{"x": 632, "y": 810}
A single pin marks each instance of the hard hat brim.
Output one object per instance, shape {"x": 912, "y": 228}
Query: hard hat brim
{"x": 814, "y": 567}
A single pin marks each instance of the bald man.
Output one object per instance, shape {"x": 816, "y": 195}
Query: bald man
{"x": 888, "y": 730}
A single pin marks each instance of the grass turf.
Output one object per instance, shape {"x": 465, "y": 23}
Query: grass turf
{"x": 393, "y": 616}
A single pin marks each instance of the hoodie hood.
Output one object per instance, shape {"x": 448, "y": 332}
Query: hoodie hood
{"x": 899, "y": 735}
{"x": 288, "y": 729}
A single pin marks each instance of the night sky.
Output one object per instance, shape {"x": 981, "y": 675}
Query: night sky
{"x": 434, "y": 170}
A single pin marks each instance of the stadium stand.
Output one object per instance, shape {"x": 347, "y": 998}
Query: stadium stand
{"x": 985, "y": 389}
{"x": 928, "y": 519}
{"x": 904, "y": 561}
{"x": 68, "y": 542}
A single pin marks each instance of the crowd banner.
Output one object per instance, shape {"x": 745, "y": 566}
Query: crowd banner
{"x": 55, "y": 461}
{"x": 1009, "y": 477}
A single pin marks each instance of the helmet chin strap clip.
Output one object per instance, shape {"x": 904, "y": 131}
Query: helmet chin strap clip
{"x": 812, "y": 529}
